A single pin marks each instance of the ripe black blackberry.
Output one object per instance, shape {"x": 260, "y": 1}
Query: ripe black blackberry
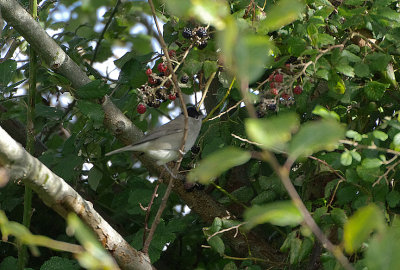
{"x": 187, "y": 33}
{"x": 202, "y": 44}
{"x": 201, "y": 32}
{"x": 185, "y": 79}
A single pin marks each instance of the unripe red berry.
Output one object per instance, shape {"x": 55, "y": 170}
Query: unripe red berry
{"x": 162, "y": 67}
{"x": 171, "y": 53}
{"x": 274, "y": 91}
{"x": 148, "y": 71}
{"x": 272, "y": 85}
{"x": 297, "y": 90}
{"x": 141, "y": 108}
{"x": 171, "y": 97}
{"x": 271, "y": 77}
{"x": 285, "y": 96}
{"x": 152, "y": 80}
{"x": 278, "y": 78}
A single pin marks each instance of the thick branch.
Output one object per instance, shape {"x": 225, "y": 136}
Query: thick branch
{"x": 61, "y": 197}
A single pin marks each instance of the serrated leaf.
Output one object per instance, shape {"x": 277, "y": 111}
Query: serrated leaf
{"x": 92, "y": 90}
{"x": 345, "y": 70}
{"x": 336, "y": 84}
{"x": 374, "y": 90}
{"x": 361, "y": 70}
{"x": 281, "y": 14}
{"x": 361, "y": 225}
{"x": 7, "y": 71}
{"x": 272, "y": 133}
{"x": 282, "y": 213}
{"x": 314, "y": 137}
{"x": 92, "y": 110}
{"x": 351, "y": 57}
{"x": 226, "y": 158}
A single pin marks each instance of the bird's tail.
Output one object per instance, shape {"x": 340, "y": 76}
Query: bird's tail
{"x": 123, "y": 149}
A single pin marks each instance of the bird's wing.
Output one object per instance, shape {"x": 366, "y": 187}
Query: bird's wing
{"x": 175, "y": 126}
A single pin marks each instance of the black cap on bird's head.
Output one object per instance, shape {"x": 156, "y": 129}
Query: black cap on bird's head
{"x": 193, "y": 112}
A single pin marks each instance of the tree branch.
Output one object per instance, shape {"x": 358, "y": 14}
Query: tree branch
{"x": 62, "y": 198}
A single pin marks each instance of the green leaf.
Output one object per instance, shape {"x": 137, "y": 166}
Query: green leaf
{"x": 368, "y": 174}
{"x": 383, "y": 249}
{"x": 380, "y": 135}
{"x": 94, "y": 177}
{"x": 346, "y": 158}
{"x": 339, "y": 216}
{"x": 355, "y": 155}
{"x": 361, "y": 70}
{"x": 393, "y": 198}
{"x": 282, "y": 213}
{"x": 345, "y": 70}
{"x": 217, "y": 244}
{"x": 7, "y": 71}
{"x": 314, "y": 137}
{"x": 48, "y": 112}
{"x": 351, "y": 57}
{"x": 272, "y": 133}
{"x": 325, "y": 113}
{"x": 281, "y": 14}
{"x": 58, "y": 263}
{"x": 92, "y": 110}
{"x": 295, "y": 245}
{"x": 354, "y": 135}
{"x": 370, "y": 163}
{"x": 396, "y": 139}
{"x": 92, "y": 90}
{"x": 209, "y": 68}
{"x": 227, "y": 158}
{"x": 361, "y": 225}
{"x": 374, "y": 90}
{"x": 378, "y": 61}
{"x": 336, "y": 84}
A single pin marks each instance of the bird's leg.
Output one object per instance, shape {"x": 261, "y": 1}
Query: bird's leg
{"x": 170, "y": 172}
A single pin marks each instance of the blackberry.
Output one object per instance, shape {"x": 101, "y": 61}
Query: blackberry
{"x": 185, "y": 79}
{"x": 187, "y": 33}
{"x": 201, "y": 32}
{"x": 202, "y": 44}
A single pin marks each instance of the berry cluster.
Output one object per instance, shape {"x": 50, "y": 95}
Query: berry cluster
{"x": 158, "y": 88}
{"x": 280, "y": 90}
{"x": 278, "y": 83}
{"x": 198, "y": 35}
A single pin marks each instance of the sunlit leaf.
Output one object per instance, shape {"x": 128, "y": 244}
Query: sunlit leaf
{"x": 316, "y": 136}
{"x": 272, "y": 133}
{"x": 281, "y": 14}
{"x": 361, "y": 225}
{"x": 282, "y": 213}
{"x": 325, "y": 113}
{"x": 217, "y": 163}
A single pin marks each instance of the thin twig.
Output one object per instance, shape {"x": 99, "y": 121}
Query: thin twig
{"x": 244, "y": 88}
{"x": 371, "y": 147}
{"x": 148, "y": 209}
{"x": 222, "y": 101}
{"x": 389, "y": 169}
{"x": 206, "y": 89}
{"x": 96, "y": 50}
{"x": 228, "y": 110}
{"x": 227, "y": 230}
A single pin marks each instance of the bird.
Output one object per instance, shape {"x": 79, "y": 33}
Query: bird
{"x": 164, "y": 142}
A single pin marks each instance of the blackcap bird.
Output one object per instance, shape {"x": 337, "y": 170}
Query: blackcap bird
{"x": 163, "y": 143}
